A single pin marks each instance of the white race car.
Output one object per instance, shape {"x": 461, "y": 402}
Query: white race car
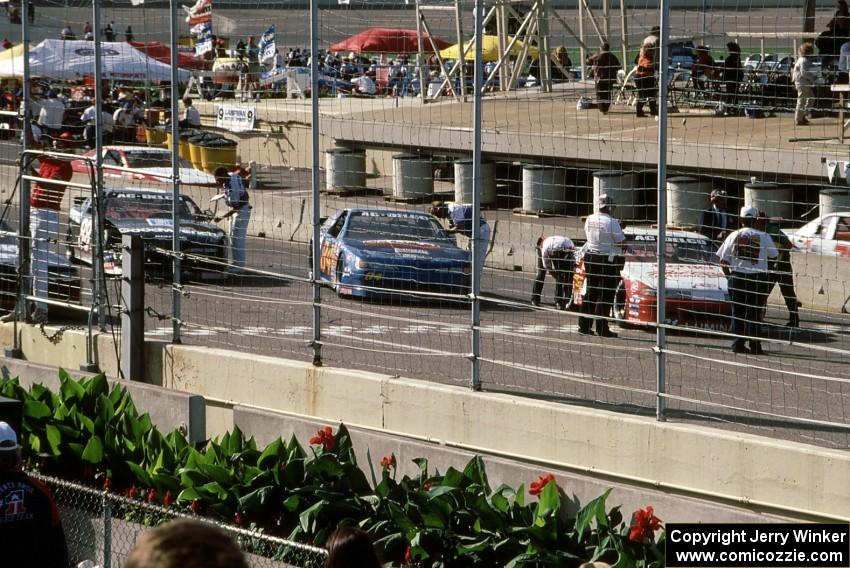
{"x": 154, "y": 165}
{"x": 828, "y": 235}
{"x": 696, "y": 288}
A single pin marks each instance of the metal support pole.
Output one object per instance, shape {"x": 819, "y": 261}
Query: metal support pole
{"x": 176, "y": 288}
{"x": 544, "y": 53}
{"x": 24, "y": 209}
{"x": 624, "y": 35}
{"x": 582, "y": 54}
{"x": 478, "y": 251}
{"x": 314, "y": 181}
{"x": 107, "y": 531}
{"x": 459, "y": 33}
{"x": 606, "y": 16}
{"x": 133, "y": 308}
{"x": 661, "y": 315}
{"x": 420, "y": 55}
{"x": 98, "y": 289}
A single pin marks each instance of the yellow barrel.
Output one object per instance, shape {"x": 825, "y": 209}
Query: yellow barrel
{"x": 195, "y": 156}
{"x": 155, "y": 136}
{"x": 183, "y": 144}
{"x": 215, "y": 153}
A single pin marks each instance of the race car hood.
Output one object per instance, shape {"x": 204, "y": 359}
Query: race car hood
{"x": 698, "y": 281}
{"x": 161, "y": 228}
{"x": 188, "y": 176}
{"x": 390, "y": 249}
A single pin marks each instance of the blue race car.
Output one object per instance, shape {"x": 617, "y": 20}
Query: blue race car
{"x": 374, "y": 253}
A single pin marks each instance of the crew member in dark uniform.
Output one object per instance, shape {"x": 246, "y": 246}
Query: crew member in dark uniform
{"x": 780, "y": 270}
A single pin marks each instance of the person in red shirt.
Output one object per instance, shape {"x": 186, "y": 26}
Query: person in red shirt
{"x": 45, "y": 201}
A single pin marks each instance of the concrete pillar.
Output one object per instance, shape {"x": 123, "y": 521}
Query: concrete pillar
{"x": 133, "y": 308}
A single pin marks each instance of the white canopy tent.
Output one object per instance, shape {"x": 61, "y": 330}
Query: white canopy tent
{"x": 68, "y": 60}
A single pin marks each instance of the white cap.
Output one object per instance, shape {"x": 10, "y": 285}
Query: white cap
{"x": 8, "y": 438}
{"x": 749, "y": 211}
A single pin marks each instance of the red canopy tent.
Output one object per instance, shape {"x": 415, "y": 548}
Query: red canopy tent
{"x": 162, "y": 52}
{"x": 386, "y": 40}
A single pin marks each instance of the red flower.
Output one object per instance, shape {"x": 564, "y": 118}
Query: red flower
{"x": 388, "y": 461}
{"x": 325, "y": 438}
{"x": 238, "y": 519}
{"x": 428, "y": 485}
{"x": 195, "y": 506}
{"x": 644, "y": 525}
{"x": 536, "y": 487}
{"x": 282, "y": 466}
{"x": 408, "y": 556}
{"x": 168, "y": 499}
{"x": 107, "y": 484}
{"x": 133, "y": 492}
{"x": 152, "y": 496}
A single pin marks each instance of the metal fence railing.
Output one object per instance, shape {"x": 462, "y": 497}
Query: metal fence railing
{"x": 102, "y": 527}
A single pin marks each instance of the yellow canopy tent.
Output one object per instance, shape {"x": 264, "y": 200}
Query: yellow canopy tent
{"x": 489, "y": 49}
{"x": 16, "y": 51}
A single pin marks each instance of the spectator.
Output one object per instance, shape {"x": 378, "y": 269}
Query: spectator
{"x": 364, "y": 84}
{"x": 604, "y": 66}
{"x": 30, "y": 527}
{"x": 645, "y": 82}
{"x": 602, "y": 263}
{"x": 843, "y": 64}
{"x": 191, "y": 116}
{"x": 804, "y": 78}
{"x": 716, "y": 222}
{"x": 51, "y": 117}
{"x": 841, "y": 22}
{"x": 554, "y": 256}
{"x": 185, "y": 543}
{"x": 351, "y": 547}
{"x": 110, "y": 31}
{"x": 703, "y": 69}
{"x": 236, "y": 197}
{"x": 459, "y": 216}
{"x": 124, "y": 118}
{"x": 562, "y": 70}
{"x": 128, "y": 34}
{"x": 88, "y": 118}
{"x": 67, "y": 34}
{"x": 733, "y": 76}
{"x": 744, "y": 257}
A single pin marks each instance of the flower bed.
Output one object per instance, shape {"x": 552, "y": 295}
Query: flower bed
{"x": 90, "y": 433}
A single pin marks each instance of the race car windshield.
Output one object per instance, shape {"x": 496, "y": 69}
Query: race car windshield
{"x": 138, "y": 206}
{"x": 680, "y": 250}
{"x": 152, "y": 160}
{"x": 394, "y": 226}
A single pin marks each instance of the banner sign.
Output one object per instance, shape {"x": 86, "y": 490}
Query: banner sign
{"x": 199, "y": 13}
{"x": 267, "y": 46}
{"x": 235, "y": 118}
{"x": 203, "y": 39}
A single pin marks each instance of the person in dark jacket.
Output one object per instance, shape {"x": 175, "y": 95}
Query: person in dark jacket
{"x": 733, "y": 77}
{"x": 30, "y": 526}
{"x": 604, "y": 67}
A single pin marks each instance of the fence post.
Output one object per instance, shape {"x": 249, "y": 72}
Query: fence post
{"x": 132, "y": 312}
{"x": 314, "y": 107}
{"x": 661, "y": 312}
{"x": 176, "y": 277}
{"x": 107, "y": 531}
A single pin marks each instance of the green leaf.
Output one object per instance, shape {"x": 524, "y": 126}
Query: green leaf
{"x": 54, "y": 438}
{"x": 271, "y": 456}
{"x": 141, "y": 474}
{"x": 550, "y": 499}
{"x": 97, "y": 386}
{"x": 593, "y": 510}
{"x": 257, "y": 498}
{"x": 475, "y": 471}
{"x": 34, "y": 409}
{"x": 188, "y": 494}
{"x": 94, "y": 450}
{"x": 70, "y": 389}
{"x": 307, "y": 519}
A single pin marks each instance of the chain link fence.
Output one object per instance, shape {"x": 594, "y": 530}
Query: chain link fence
{"x": 102, "y": 528}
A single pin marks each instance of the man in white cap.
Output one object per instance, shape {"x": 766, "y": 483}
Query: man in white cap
{"x": 29, "y": 520}
{"x": 743, "y": 257}
{"x": 603, "y": 260}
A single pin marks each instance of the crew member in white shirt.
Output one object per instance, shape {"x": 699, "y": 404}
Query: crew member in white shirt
{"x": 459, "y": 216}
{"x": 52, "y": 114}
{"x": 743, "y": 257}
{"x": 106, "y": 120}
{"x": 555, "y": 257}
{"x": 364, "y": 85}
{"x": 603, "y": 260}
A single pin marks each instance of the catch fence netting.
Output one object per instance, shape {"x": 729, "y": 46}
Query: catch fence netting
{"x": 102, "y": 528}
{"x": 559, "y": 127}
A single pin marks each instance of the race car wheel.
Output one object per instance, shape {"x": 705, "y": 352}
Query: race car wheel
{"x": 620, "y": 302}
{"x": 340, "y": 267}
{"x": 70, "y": 253}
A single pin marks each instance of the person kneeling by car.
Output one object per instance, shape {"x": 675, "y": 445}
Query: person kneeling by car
{"x": 459, "y": 216}
{"x": 236, "y": 197}
{"x": 555, "y": 255}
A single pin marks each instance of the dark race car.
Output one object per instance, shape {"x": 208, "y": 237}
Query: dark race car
{"x": 147, "y": 213}
{"x": 63, "y": 283}
{"x": 374, "y": 253}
